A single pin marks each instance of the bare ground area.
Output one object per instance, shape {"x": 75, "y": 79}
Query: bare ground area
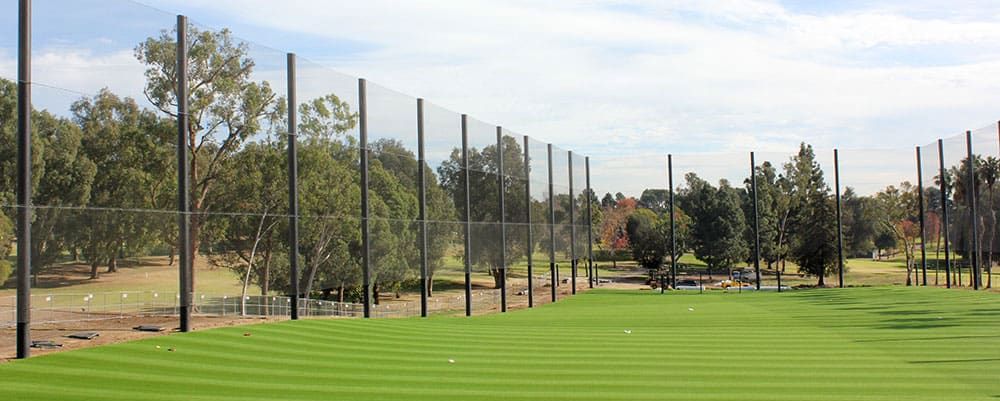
{"x": 111, "y": 331}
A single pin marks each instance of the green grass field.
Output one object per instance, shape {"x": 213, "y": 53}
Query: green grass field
{"x": 854, "y": 344}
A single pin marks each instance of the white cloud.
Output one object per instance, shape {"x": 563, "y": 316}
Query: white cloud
{"x": 63, "y": 75}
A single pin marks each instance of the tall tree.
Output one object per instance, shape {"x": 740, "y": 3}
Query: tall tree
{"x": 256, "y": 191}
{"x": 329, "y": 196}
{"x": 403, "y": 164}
{"x": 226, "y": 107}
{"x": 614, "y": 231}
{"x": 485, "y": 211}
{"x": 66, "y": 178}
{"x": 657, "y": 200}
{"x": 963, "y": 191}
{"x": 897, "y": 211}
{"x": 8, "y": 172}
{"x": 772, "y": 211}
{"x": 607, "y": 200}
{"x": 649, "y": 242}
{"x": 815, "y": 245}
{"x": 717, "y": 220}
{"x": 860, "y": 224}
{"x": 62, "y": 177}
{"x": 131, "y": 148}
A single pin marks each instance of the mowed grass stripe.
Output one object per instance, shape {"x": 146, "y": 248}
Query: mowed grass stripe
{"x": 866, "y": 344}
{"x": 247, "y": 370}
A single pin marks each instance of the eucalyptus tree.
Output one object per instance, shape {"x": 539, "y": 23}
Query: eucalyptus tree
{"x": 131, "y": 149}
{"x": 226, "y": 107}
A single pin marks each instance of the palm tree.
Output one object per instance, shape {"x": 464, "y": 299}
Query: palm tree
{"x": 964, "y": 197}
{"x": 937, "y": 249}
{"x": 957, "y": 185}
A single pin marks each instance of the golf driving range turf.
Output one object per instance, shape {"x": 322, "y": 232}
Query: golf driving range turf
{"x": 851, "y": 344}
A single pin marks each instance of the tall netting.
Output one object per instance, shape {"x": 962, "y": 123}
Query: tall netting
{"x": 712, "y": 184}
{"x": 445, "y": 210}
{"x": 881, "y": 217}
{"x": 986, "y": 148}
{"x": 239, "y": 179}
{"x": 393, "y": 201}
{"x": 561, "y": 240}
{"x": 516, "y": 208}
{"x": 580, "y": 198}
{"x": 958, "y": 227}
{"x": 774, "y": 209}
{"x": 105, "y": 219}
{"x": 795, "y": 202}
{"x": 932, "y": 242}
{"x": 104, "y": 170}
{"x": 540, "y": 224}
{"x": 618, "y": 185}
{"x": 329, "y": 189}
{"x": 485, "y": 216}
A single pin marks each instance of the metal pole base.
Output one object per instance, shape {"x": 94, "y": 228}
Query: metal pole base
{"x": 23, "y": 341}
{"x": 573, "y": 273}
{"x": 503, "y": 290}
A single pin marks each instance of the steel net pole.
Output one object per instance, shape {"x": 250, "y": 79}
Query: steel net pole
{"x": 756, "y": 219}
{"x": 920, "y": 204}
{"x": 366, "y": 271}
{"x": 293, "y": 191}
{"x": 422, "y": 199}
{"x": 24, "y": 189}
{"x": 840, "y": 224}
{"x": 183, "y": 179}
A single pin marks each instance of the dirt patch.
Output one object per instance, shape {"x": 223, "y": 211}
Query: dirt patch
{"x": 111, "y": 331}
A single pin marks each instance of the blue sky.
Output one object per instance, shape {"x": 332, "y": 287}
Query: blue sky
{"x": 623, "y": 81}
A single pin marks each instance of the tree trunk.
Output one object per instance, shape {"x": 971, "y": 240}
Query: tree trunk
{"x": 340, "y": 293}
{"x": 265, "y": 276}
{"x": 430, "y": 284}
{"x": 197, "y": 206}
{"x": 497, "y": 278}
{"x": 375, "y": 293}
{"x": 246, "y": 277}
{"x": 909, "y": 271}
{"x": 243, "y": 293}
{"x": 113, "y": 264}
{"x": 195, "y": 235}
{"x": 94, "y": 273}
{"x": 822, "y": 282}
{"x": 310, "y": 277}
{"x": 316, "y": 258}
{"x": 958, "y": 275}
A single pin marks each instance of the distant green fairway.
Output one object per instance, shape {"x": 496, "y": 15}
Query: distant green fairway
{"x": 853, "y": 344}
